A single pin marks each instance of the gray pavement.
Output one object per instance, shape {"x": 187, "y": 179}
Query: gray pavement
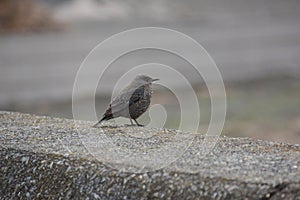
{"x": 51, "y": 157}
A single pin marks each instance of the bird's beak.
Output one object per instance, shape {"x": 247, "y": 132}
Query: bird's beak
{"x": 155, "y": 79}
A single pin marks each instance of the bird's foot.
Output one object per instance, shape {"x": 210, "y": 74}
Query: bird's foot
{"x": 138, "y": 124}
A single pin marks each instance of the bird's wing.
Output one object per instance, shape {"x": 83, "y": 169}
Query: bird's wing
{"x": 136, "y": 95}
{"x": 122, "y": 101}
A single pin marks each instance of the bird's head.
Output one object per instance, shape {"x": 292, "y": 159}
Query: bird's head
{"x": 143, "y": 80}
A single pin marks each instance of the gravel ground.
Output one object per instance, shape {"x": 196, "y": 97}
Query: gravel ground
{"x": 43, "y": 157}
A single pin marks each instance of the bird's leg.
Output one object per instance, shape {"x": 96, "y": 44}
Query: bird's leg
{"x": 131, "y": 122}
{"x": 137, "y": 123}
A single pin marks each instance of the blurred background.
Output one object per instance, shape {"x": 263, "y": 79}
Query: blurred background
{"x": 255, "y": 44}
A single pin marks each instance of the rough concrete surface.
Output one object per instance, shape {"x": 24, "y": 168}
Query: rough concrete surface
{"x": 43, "y": 157}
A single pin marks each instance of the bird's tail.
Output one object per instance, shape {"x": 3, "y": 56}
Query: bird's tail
{"x": 99, "y": 122}
{"x": 105, "y": 117}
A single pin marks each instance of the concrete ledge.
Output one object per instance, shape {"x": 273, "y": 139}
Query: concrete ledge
{"x": 35, "y": 163}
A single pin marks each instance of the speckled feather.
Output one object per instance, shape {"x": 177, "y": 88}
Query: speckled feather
{"x": 130, "y": 104}
{"x": 132, "y": 101}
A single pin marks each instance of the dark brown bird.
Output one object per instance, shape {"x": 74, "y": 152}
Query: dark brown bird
{"x": 132, "y": 101}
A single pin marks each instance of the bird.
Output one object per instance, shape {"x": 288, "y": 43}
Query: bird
{"x": 132, "y": 101}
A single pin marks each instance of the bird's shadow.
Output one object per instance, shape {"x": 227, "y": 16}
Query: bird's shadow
{"x": 116, "y": 126}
